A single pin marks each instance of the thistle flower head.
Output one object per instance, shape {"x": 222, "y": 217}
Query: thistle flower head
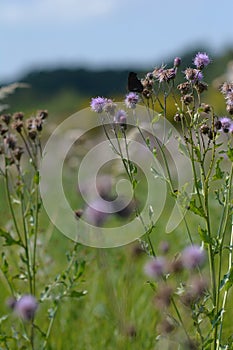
{"x": 131, "y": 100}
{"x": 98, "y": 103}
{"x": 155, "y": 268}
{"x": 26, "y": 307}
{"x": 226, "y": 124}
{"x": 201, "y": 60}
{"x": 192, "y": 257}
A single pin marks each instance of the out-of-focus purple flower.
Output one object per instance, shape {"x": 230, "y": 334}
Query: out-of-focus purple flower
{"x": 131, "y": 100}
{"x": 226, "y": 124}
{"x": 177, "y": 62}
{"x": 26, "y": 307}
{"x": 98, "y": 103}
{"x": 110, "y": 107}
{"x": 192, "y": 256}
{"x": 121, "y": 118}
{"x": 97, "y": 212}
{"x": 201, "y": 60}
{"x": 199, "y": 76}
{"x": 155, "y": 268}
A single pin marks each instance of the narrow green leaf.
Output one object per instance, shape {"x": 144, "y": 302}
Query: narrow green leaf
{"x": 77, "y": 294}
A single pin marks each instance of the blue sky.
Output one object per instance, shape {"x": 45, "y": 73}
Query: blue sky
{"x": 99, "y": 33}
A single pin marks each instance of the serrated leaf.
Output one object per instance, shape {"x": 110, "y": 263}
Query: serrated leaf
{"x": 195, "y": 209}
{"x": 9, "y": 240}
{"x": 204, "y": 235}
{"x": 219, "y": 174}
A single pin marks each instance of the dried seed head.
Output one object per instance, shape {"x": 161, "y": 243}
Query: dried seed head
{"x": 147, "y": 83}
{"x": 30, "y": 124}
{"x": 147, "y": 93}
{"x": 32, "y": 134}
{"x": 229, "y": 109}
{"x": 184, "y": 88}
{"x": 18, "y": 152}
{"x": 218, "y": 124}
{"x": 187, "y": 99}
{"x": 3, "y": 129}
{"x": 210, "y": 134}
{"x": 17, "y": 125}
{"x": 204, "y": 129}
{"x": 225, "y": 88}
{"x": 177, "y": 117}
{"x": 206, "y": 108}
{"x": 38, "y": 124}
{"x": 11, "y": 141}
{"x": 18, "y": 116}
{"x": 43, "y": 114}
{"x": 201, "y": 86}
{"x": 6, "y": 118}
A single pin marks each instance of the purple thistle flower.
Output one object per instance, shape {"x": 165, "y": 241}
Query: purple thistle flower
{"x": 201, "y": 60}
{"x": 226, "y": 124}
{"x": 192, "y": 256}
{"x": 97, "y": 212}
{"x": 26, "y": 307}
{"x": 155, "y": 268}
{"x": 98, "y": 103}
{"x": 131, "y": 100}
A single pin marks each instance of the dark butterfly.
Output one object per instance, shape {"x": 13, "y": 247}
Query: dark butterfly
{"x": 134, "y": 83}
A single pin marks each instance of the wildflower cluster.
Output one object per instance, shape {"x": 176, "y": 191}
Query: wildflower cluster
{"x": 177, "y": 281}
{"x": 18, "y": 135}
{"x": 24, "y": 255}
{"x": 180, "y": 284}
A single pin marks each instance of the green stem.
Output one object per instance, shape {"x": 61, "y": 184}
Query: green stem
{"x": 10, "y": 204}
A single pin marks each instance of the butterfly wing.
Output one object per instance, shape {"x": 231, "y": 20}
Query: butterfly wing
{"x": 134, "y": 83}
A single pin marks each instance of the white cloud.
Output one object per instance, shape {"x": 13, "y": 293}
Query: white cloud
{"x": 16, "y": 12}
